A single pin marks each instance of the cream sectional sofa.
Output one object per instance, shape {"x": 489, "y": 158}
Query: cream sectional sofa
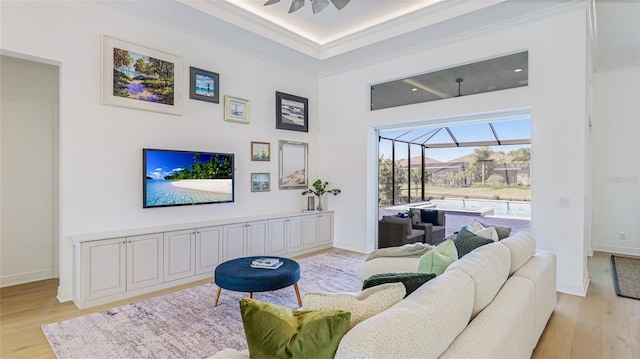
{"x": 492, "y": 303}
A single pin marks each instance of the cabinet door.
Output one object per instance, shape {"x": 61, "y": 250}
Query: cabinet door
{"x": 179, "y": 255}
{"x": 144, "y": 260}
{"x": 277, "y": 236}
{"x": 104, "y": 268}
{"x": 233, "y": 245}
{"x": 295, "y": 234}
{"x": 208, "y": 248}
{"x": 325, "y": 229}
{"x": 256, "y": 234}
{"x": 310, "y": 231}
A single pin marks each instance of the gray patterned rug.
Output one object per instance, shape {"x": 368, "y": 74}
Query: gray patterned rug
{"x": 185, "y": 324}
{"x": 626, "y": 276}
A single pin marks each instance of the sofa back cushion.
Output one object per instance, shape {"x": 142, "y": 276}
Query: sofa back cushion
{"x": 522, "y": 246}
{"x": 422, "y": 325}
{"x": 488, "y": 266}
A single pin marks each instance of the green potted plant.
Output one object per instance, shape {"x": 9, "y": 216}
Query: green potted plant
{"x": 319, "y": 189}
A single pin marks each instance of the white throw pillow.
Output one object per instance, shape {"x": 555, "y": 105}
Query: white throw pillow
{"x": 361, "y": 305}
{"x": 475, "y": 227}
{"x": 488, "y": 233}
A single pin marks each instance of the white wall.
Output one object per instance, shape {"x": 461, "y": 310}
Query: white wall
{"x": 29, "y": 113}
{"x": 555, "y": 95}
{"x": 101, "y": 146}
{"x": 616, "y": 150}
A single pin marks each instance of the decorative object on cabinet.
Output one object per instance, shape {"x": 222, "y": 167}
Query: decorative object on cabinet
{"x": 236, "y": 109}
{"x": 204, "y": 85}
{"x": 311, "y": 203}
{"x": 320, "y": 189}
{"x": 292, "y": 112}
{"x": 260, "y": 151}
{"x": 260, "y": 182}
{"x": 293, "y": 164}
{"x": 141, "y": 78}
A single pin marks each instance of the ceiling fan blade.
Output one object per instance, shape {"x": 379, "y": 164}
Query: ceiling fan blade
{"x": 271, "y": 2}
{"x": 339, "y": 4}
{"x": 296, "y": 5}
{"x": 319, "y": 5}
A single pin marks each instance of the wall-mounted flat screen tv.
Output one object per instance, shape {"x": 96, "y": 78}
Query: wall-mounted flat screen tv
{"x": 179, "y": 178}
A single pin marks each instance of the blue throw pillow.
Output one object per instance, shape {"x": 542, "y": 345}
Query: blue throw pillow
{"x": 429, "y": 216}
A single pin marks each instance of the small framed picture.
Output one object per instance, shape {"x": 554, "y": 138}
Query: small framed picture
{"x": 204, "y": 85}
{"x": 260, "y": 182}
{"x": 260, "y": 151}
{"x": 236, "y": 109}
{"x": 292, "y": 112}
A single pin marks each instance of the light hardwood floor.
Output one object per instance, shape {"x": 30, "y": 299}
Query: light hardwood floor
{"x": 600, "y": 325}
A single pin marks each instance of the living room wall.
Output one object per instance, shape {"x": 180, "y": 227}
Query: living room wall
{"x": 556, "y": 97}
{"x": 616, "y": 174}
{"x": 101, "y": 146}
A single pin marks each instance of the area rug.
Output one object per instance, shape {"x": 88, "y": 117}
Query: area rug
{"x": 626, "y": 276}
{"x": 185, "y": 324}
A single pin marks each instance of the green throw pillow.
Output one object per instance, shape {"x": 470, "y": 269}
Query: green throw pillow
{"x": 466, "y": 241}
{"x": 277, "y": 332}
{"x": 411, "y": 281}
{"x": 439, "y": 258}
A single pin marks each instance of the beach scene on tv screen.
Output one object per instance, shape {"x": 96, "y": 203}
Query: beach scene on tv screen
{"x": 179, "y": 178}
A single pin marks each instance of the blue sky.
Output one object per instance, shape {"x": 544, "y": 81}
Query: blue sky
{"x": 162, "y": 162}
{"x": 506, "y": 130}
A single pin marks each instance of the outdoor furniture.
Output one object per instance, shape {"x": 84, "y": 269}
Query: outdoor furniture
{"x": 433, "y": 224}
{"x": 238, "y": 275}
{"x": 396, "y": 231}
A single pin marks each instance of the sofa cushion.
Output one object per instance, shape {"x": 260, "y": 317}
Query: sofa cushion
{"x": 503, "y": 330}
{"x": 466, "y": 241}
{"x": 388, "y": 265}
{"x": 422, "y": 325}
{"x": 362, "y": 305}
{"x": 405, "y": 221}
{"x": 488, "y": 266}
{"x": 503, "y": 232}
{"x": 439, "y": 258}
{"x": 411, "y": 281}
{"x": 522, "y": 246}
{"x": 277, "y": 332}
{"x": 429, "y": 216}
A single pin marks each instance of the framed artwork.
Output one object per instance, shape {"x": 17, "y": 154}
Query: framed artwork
{"x": 236, "y": 109}
{"x": 292, "y": 112}
{"x": 141, "y": 78}
{"x": 293, "y": 164}
{"x": 260, "y": 182}
{"x": 204, "y": 85}
{"x": 260, "y": 151}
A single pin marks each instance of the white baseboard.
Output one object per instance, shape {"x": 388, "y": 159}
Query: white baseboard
{"x": 64, "y": 295}
{"x": 573, "y": 289}
{"x": 350, "y": 248}
{"x": 616, "y": 249}
{"x": 22, "y": 278}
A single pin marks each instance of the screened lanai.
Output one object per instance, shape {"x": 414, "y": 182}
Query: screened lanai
{"x": 483, "y": 161}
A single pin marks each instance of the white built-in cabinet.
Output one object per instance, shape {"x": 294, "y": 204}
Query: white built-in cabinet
{"x": 114, "y": 266}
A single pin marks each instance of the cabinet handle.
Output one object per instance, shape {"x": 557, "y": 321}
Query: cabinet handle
{"x": 123, "y": 242}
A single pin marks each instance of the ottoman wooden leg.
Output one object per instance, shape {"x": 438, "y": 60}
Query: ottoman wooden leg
{"x": 215, "y": 304}
{"x": 250, "y": 295}
{"x": 295, "y": 286}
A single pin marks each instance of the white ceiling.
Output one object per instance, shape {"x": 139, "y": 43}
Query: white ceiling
{"x": 366, "y": 30}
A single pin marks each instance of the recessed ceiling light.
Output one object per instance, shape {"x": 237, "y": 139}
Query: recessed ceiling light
{"x": 414, "y": 89}
{"x": 517, "y": 70}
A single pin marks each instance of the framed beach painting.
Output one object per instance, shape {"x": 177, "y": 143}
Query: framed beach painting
{"x": 260, "y": 182}
{"x": 293, "y": 164}
{"x": 260, "y": 151}
{"x": 204, "y": 85}
{"x": 292, "y": 112}
{"x": 141, "y": 78}
{"x": 236, "y": 109}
